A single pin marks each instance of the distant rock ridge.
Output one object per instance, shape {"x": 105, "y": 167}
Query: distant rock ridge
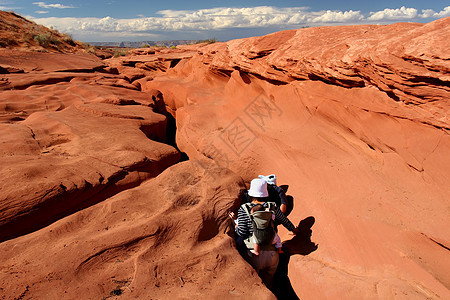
{"x": 168, "y": 43}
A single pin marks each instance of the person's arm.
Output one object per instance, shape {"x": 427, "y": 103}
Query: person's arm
{"x": 244, "y": 224}
{"x": 282, "y": 219}
{"x": 282, "y": 196}
{"x": 233, "y": 217}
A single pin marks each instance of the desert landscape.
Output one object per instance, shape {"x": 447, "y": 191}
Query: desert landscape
{"x": 119, "y": 171}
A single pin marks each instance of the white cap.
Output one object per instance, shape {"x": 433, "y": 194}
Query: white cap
{"x": 270, "y": 179}
{"x": 258, "y": 188}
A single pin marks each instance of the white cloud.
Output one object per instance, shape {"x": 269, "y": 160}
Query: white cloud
{"x": 443, "y": 13}
{"x": 207, "y": 19}
{"x": 211, "y": 20}
{"x": 339, "y": 17}
{"x": 57, "y": 5}
{"x": 168, "y": 13}
{"x": 41, "y": 12}
{"x": 427, "y": 13}
{"x": 401, "y": 13}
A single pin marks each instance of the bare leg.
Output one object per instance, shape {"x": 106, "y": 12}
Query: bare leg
{"x": 277, "y": 243}
{"x": 256, "y": 249}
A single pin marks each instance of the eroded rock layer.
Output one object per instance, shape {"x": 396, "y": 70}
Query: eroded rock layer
{"x": 157, "y": 240}
{"x": 355, "y": 121}
{"x": 70, "y": 140}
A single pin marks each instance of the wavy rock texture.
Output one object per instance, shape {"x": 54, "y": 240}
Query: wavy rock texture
{"x": 157, "y": 240}
{"x": 353, "y": 119}
{"x": 90, "y": 188}
{"x": 73, "y": 140}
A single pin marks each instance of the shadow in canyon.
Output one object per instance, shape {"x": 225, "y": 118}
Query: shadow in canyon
{"x": 300, "y": 244}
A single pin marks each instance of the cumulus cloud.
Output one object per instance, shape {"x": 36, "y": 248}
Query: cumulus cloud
{"x": 427, "y": 13}
{"x": 443, "y": 13}
{"x": 338, "y": 17}
{"x": 56, "y": 5}
{"x": 401, "y": 13}
{"x": 220, "y": 19}
{"x": 208, "y": 19}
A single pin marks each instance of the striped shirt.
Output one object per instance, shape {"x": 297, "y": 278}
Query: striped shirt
{"x": 244, "y": 226}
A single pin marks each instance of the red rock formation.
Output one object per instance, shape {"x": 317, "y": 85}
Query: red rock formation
{"x": 19, "y": 33}
{"x": 354, "y": 119}
{"x": 83, "y": 138}
{"x": 165, "y": 238}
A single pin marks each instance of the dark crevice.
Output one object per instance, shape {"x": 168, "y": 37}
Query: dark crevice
{"x": 129, "y": 64}
{"x": 93, "y": 70}
{"x": 436, "y": 242}
{"x": 278, "y": 69}
{"x": 224, "y": 73}
{"x": 34, "y": 136}
{"x": 260, "y": 54}
{"x": 174, "y": 62}
{"x": 392, "y": 95}
{"x": 271, "y": 81}
{"x": 171, "y": 132}
{"x": 346, "y": 83}
{"x": 415, "y": 169}
{"x": 429, "y": 81}
{"x": 245, "y": 77}
{"x": 171, "y": 125}
{"x": 16, "y": 119}
{"x": 369, "y": 80}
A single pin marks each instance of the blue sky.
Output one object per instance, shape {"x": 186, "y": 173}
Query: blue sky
{"x": 133, "y": 20}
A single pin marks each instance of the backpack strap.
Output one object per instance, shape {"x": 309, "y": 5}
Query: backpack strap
{"x": 247, "y": 208}
{"x": 248, "y": 241}
{"x": 272, "y": 206}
